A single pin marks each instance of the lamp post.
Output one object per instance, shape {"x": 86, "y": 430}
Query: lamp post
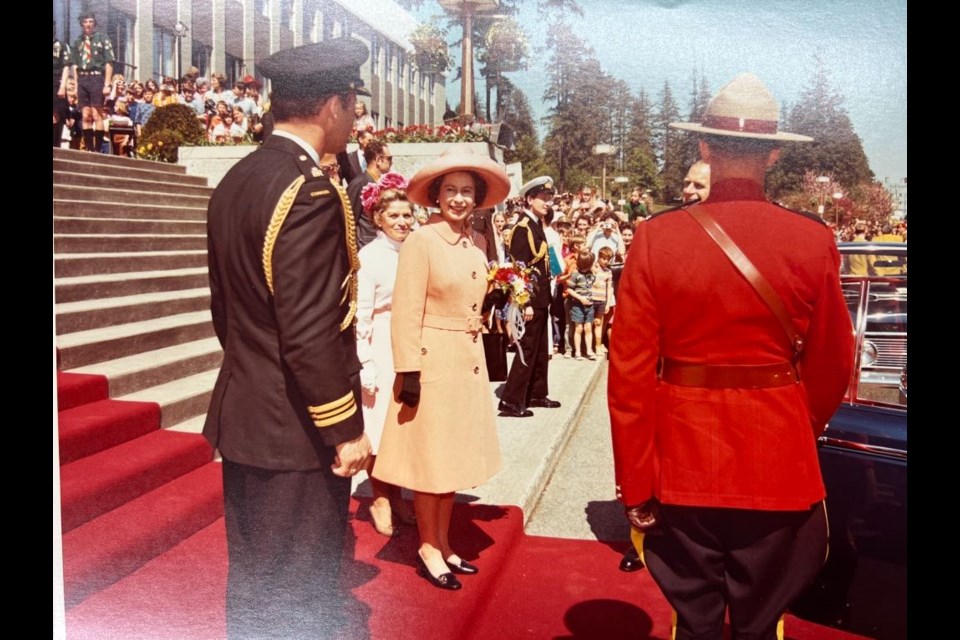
{"x": 837, "y": 196}
{"x": 604, "y": 150}
{"x": 621, "y": 180}
{"x": 467, "y": 9}
{"x": 180, "y": 31}
{"x": 822, "y": 182}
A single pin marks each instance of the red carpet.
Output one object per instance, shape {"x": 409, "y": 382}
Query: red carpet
{"x": 528, "y": 587}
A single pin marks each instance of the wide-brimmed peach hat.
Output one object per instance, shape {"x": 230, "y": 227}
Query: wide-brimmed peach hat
{"x": 744, "y": 108}
{"x": 461, "y": 157}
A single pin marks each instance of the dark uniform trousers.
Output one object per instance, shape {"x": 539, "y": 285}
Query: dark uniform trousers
{"x": 761, "y": 560}
{"x": 528, "y": 244}
{"x": 281, "y": 583}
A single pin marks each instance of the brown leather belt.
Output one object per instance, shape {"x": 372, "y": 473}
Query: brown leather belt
{"x": 728, "y": 376}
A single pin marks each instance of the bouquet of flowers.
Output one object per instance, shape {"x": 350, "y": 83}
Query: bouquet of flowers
{"x": 512, "y": 282}
{"x": 370, "y": 195}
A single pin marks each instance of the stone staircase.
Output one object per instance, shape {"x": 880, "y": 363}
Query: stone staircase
{"x": 130, "y": 267}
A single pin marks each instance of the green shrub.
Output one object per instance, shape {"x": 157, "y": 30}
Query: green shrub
{"x": 168, "y": 128}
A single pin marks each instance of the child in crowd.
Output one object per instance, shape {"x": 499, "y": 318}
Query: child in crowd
{"x": 579, "y": 288}
{"x": 570, "y": 249}
{"x": 602, "y": 296}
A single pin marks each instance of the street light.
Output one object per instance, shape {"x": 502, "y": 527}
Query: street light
{"x": 621, "y": 180}
{"x": 180, "y": 31}
{"x": 467, "y": 9}
{"x": 837, "y": 195}
{"x": 604, "y": 150}
{"x": 822, "y": 182}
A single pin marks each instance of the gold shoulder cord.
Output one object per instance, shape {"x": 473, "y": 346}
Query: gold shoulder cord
{"x": 284, "y": 204}
{"x": 537, "y": 255}
{"x": 349, "y": 284}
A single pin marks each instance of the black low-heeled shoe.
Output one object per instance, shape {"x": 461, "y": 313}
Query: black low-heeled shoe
{"x": 464, "y": 568}
{"x": 446, "y": 581}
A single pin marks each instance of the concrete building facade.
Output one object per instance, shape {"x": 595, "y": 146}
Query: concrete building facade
{"x": 230, "y": 36}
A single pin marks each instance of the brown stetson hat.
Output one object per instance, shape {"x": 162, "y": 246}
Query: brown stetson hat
{"x": 744, "y": 108}
{"x": 460, "y": 157}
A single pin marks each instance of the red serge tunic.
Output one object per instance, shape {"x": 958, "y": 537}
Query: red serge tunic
{"x": 681, "y": 298}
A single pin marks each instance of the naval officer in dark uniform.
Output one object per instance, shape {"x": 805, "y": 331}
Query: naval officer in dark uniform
{"x": 285, "y": 411}
{"x": 526, "y": 384}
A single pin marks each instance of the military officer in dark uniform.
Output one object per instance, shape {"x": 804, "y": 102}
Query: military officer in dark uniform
{"x": 733, "y": 348}
{"x": 61, "y": 73}
{"x": 285, "y": 411}
{"x": 526, "y": 384}
{"x": 93, "y": 57}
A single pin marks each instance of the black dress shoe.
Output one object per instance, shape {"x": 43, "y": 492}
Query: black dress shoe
{"x": 546, "y": 403}
{"x": 464, "y": 568}
{"x": 631, "y": 561}
{"x": 513, "y": 411}
{"x": 446, "y": 581}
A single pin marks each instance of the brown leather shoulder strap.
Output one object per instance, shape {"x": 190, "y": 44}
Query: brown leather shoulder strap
{"x": 754, "y": 277}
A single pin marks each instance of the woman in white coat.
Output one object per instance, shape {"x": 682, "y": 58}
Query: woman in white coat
{"x": 386, "y": 202}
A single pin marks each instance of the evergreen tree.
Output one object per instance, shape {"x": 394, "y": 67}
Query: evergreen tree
{"x": 836, "y": 150}
{"x": 699, "y": 99}
{"x": 515, "y": 113}
{"x": 670, "y": 146}
{"x": 640, "y": 162}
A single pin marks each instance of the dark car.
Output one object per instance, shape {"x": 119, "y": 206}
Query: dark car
{"x": 863, "y": 455}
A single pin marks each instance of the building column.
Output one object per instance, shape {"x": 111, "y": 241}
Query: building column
{"x": 249, "y": 39}
{"x": 218, "y": 44}
{"x": 143, "y": 40}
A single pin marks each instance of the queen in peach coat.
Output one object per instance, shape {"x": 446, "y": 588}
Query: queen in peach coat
{"x": 440, "y": 433}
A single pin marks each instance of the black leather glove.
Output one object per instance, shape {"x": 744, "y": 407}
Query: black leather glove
{"x": 645, "y": 517}
{"x": 410, "y": 388}
{"x": 496, "y": 299}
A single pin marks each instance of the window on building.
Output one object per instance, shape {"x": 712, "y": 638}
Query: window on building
{"x": 423, "y": 85}
{"x": 201, "y": 57}
{"x": 387, "y": 122}
{"x": 375, "y": 55}
{"x": 388, "y": 59}
{"x": 120, "y": 31}
{"x": 432, "y": 87}
{"x": 411, "y": 80}
{"x": 312, "y": 27}
{"x": 262, "y": 7}
{"x": 400, "y": 124}
{"x": 164, "y": 52}
{"x": 376, "y": 119}
{"x": 286, "y": 13}
{"x": 328, "y": 27}
{"x": 233, "y": 70}
{"x": 401, "y": 71}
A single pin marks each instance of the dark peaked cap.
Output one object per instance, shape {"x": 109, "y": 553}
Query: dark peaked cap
{"x": 319, "y": 69}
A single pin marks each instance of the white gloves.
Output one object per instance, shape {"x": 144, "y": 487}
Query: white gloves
{"x": 368, "y": 377}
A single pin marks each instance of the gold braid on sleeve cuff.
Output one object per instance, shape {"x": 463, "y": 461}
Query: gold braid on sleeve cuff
{"x": 332, "y": 413}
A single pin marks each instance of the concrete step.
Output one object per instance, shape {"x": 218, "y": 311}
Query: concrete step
{"x": 127, "y": 183}
{"x": 160, "y": 366}
{"x": 127, "y": 242}
{"x": 73, "y": 289}
{"x": 130, "y": 198}
{"x": 151, "y": 172}
{"x": 107, "y": 312}
{"x": 109, "y": 343}
{"x": 193, "y": 425}
{"x": 131, "y": 207}
{"x": 180, "y": 399}
{"x": 89, "y": 225}
{"x": 85, "y": 264}
{"x": 100, "y": 163}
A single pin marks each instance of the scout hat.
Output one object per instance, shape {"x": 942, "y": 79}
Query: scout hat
{"x": 460, "y": 157}
{"x": 543, "y": 184}
{"x": 744, "y": 108}
{"x": 315, "y": 70}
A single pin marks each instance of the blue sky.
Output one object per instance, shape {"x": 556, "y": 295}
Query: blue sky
{"x": 644, "y": 42}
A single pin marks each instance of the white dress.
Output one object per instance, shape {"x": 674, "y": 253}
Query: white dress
{"x": 377, "y": 275}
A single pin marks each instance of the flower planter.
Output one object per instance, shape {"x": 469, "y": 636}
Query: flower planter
{"x": 212, "y": 162}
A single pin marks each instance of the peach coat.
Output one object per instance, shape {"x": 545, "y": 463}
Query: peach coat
{"x": 449, "y": 440}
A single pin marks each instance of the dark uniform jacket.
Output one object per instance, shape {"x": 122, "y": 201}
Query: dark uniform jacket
{"x": 528, "y": 244}
{"x": 289, "y": 384}
{"x": 366, "y": 230}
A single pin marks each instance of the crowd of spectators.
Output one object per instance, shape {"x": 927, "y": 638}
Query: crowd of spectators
{"x": 227, "y": 115}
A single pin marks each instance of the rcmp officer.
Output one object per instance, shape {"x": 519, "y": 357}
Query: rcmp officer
{"x": 526, "y": 384}
{"x": 61, "y": 73}
{"x": 285, "y": 411}
{"x": 93, "y": 57}
{"x": 721, "y": 379}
